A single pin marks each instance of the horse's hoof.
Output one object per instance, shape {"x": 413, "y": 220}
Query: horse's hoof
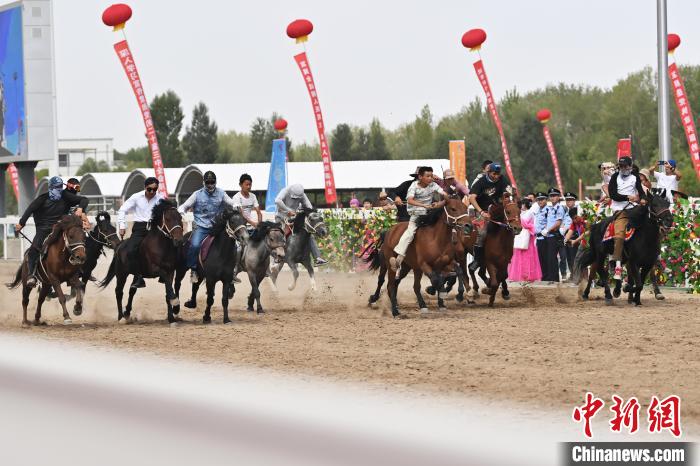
{"x": 459, "y": 297}
{"x": 609, "y": 302}
{"x": 261, "y": 311}
{"x": 442, "y": 309}
{"x": 584, "y": 297}
{"x": 616, "y": 293}
{"x": 430, "y": 290}
{"x": 173, "y": 324}
{"x": 227, "y": 322}
{"x": 67, "y": 322}
{"x": 291, "y": 287}
{"x": 191, "y": 304}
{"x": 206, "y": 320}
{"x": 637, "y": 304}
{"x": 77, "y": 312}
{"x": 250, "y": 309}
{"x": 659, "y": 296}
{"x": 176, "y": 309}
{"x": 470, "y": 301}
{"x": 424, "y": 310}
{"x": 506, "y": 297}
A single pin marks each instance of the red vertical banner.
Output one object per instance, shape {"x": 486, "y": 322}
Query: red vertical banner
{"x": 491, "y": 104}
{"x": 127, "y": 61}
{"x": 553, "y": 154}
{"x": 624, "y": 148}
{"x": 686, "y": 114}
{"x": 329, "y": 180}
{"x": 14, "y": 178}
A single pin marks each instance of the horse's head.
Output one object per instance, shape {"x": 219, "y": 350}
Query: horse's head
{"x": 314, "y": 224}
{"x": 168, "y": 221}
{"x": 660, "y": 210}
{"x": 104, "y": 232}
{"x": 73, "y": 238}
{"x": 512, "y": 216}
{"x": 235, "y": 225}
{"x": 275, "y": 240}
{"x": 457, "y": 213}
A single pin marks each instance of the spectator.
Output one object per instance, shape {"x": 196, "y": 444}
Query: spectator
{"x": 525, "y": 264}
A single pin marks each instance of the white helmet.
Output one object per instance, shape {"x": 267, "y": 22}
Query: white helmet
{"x": 296, "y": 190}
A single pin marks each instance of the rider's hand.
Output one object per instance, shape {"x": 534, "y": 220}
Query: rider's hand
{"x": 79, "y": 212}
{"x": 290, "y": 214}
{"x": 86, "y": 222}
{"x": 122, "y": 232}
{"x": 484, "y": 214}
{"x": 544, "y": 232}
{"x": 633, "y": 198}
{"x": 18, "y": 227}
{"x": 643, "y": 202}
{"x": 398, "y": 201}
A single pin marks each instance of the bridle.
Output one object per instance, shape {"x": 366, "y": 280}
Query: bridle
{"x": 310, "y": 228}
{"x": 163, "y": 227}
{"x": 72, "y": 247}
{"x": 233, "y": 232}
{"x": 505, "y": 224}
{"x": 273, "y": 247}
{"x": 451, "y": 219}
{"x": 656, "y": 216}
{"x": 100, "y": 233}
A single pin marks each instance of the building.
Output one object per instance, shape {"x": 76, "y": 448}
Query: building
{"x": 73, "y": 152}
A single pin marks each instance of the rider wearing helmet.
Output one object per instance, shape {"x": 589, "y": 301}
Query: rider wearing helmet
{"x": 288, "y": 201}
{"x": 486, "y": 190}
{"x": 205, "y": 203}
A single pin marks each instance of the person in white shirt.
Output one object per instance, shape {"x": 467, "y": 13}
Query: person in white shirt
{"x": 667, "y": 180}
{"x": 247, "y": 201}
{"x": 140, "y": 205}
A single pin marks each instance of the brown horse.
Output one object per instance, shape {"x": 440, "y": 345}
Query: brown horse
{"x": 63, "y": 260}
{"x": 503, "y": 225}
{"x": 158, "y": 251}
{"x": 434, "y": 251}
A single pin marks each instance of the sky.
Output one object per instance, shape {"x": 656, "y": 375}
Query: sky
{"x": 383, "y": 59}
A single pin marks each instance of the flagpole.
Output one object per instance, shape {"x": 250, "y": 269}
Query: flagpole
{"x": 663, "y": 84}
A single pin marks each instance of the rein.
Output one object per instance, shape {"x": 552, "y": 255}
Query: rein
{"x": 106, "y": 237}
{"x": 505, "y": 225}
{"x": 233, "y": 232}
{"x": 163, "y": 227}
{"x": 310, "y": 228}
{"x": 72, "y": 247}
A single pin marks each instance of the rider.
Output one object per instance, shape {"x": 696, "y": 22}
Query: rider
{"x": 205, "y": 203}
{"x": 419, "y": 199}
{"x": 450, "y": 185}
{"x": 141, "y": 205}
{"x": 247, "y": 202}
{"x": 484, "y": 170}
{"x": 288, "y": 201}
{"x": 47, "y": 209}
{"x": 626, "y": 192}
{"x": 399, "y": 195}
{"x": 486, "y": 191}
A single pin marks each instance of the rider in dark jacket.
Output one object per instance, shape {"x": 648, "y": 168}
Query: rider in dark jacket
{"x": 47, "y": 209}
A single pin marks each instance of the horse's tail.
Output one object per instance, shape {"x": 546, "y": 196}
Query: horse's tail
{"x": 18, "y": 279}
{"x": 584, "y": 258}
{"x": 374, "y": 259}
{"x": 111, "y": 273}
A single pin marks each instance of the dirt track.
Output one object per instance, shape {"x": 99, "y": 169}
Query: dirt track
{"x": 543, "y": 348}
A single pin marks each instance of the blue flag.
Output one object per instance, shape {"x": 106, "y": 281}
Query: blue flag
{"x": 278, "y": 173}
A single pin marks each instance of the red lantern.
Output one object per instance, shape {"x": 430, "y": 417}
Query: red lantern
{"x": 300, "y": 29}
{"x": 281, "y": 124}
{"x": 117, "y": 15}
{"x": 674, "y": 40}
{"x": 544, "y": 115}
{"x": 473, "y": 39}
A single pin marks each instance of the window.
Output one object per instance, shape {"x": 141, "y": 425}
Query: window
{"x": 36, "y": 11}
{"x": 62, "y": 160}
{"x": 36, "y": 33}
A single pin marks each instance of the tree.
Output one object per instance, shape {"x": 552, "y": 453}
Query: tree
{"x": 138, "y": 157}
{"x": 90, "y": 166}
{"x": 341, "y": 142}
{"x": 360, "y": 148}
{"x": 233, "y": 147}
{"x": 377, "y": 143}
{"x": 201, "y": 140}
{"x": 167, "y": 119}
{"x": 262, "y": 132}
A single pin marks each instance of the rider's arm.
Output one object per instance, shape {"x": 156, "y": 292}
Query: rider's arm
{"x": 306, "y": 202}
{"x": 75, "y": 199}
{"x": 33, "y": 207}
{"x": 612, "y": 191}
{"x": 189, "y": 203}
{"x": 257, "y": 211}
{"x": 127, "y": 207}
{"x": 279, "y": 202}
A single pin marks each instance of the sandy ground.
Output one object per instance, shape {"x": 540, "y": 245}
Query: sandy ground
{"x": 544, "y": 347}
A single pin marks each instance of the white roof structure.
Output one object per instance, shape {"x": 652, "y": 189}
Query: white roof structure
{"x": 134, "y": 182}
{"x": 108, "y": 184}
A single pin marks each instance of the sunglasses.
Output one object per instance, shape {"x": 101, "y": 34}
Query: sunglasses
{"x": 151, "y": 190}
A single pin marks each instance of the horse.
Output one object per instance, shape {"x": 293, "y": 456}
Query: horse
{"x": 434, "y": 251}
{"x": 227, "y": 231}
{"x": 468, "y": 241}
{"x": 306, "y": 223}
{"x": 267, "y": 241}
{"x": 503, "y": 225}
{"x": 65, "y": 255}
{"x": 158, "y": 251}
{"x": 103, "y": 235}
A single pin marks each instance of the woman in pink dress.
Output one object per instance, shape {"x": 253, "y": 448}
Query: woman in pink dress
{"x": 525, "y": 264}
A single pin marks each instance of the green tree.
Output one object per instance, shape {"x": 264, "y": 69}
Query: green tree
{"x": 360, "y": 146}
{"x": 262, "y": 133}
{"x": 90, "y": 166}
{"x": 201, "y": 139}
{"x": 341, "y": 142}
{"x": 233, "y": 147}
{"x": 139, "y": 157}
{"x": 377, "y": 149}
{"x": 167, "y": 119}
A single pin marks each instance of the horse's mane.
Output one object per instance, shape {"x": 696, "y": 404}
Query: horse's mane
{"x": 160, "y": 209}
{"x": 103, "y": 216}
{"x": 430, "y": 218}
{"x": 299, "y": 220}
{"x": 262, "y": 230}
{"x": 220, "y": 220}
{"x": 499, "y": 210}
{"x": 64, "y": 224}
{"x": 637, "y": 213}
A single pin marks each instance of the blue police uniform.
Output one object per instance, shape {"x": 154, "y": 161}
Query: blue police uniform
{"x": 553, "y": 214}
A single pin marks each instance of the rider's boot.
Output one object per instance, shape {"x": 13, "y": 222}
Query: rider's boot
{"x": 396, "y": 262}
{"x": 618, "y": 271}
{"x": 478, "y": 259}
{"x": 138, "y": 282}
{"x": 31, "y": 278}
{"x": 320, "y": 261}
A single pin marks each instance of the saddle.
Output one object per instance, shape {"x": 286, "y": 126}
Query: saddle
{"x": 205, "y": 248}
{"x": 610, "y": 232}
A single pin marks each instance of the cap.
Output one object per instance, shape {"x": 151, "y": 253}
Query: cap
{"x": 645, "y": 172}
{"x": 494, "y": 167}
{"x": 570, "y": 196}
{"x": 553, "y": 192}
{"x": 540, "y": 196}
{"x": 448, "y": 174}
{"x": 415, "y": 174}
{"x": 56, "y": 182}
{"x": 296, "y": 190}
{"x": 672, "y": 163}
{"x": 626, "y": 161}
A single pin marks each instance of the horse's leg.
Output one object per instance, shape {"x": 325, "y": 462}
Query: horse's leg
{"x": 119, "y": 293}
{"x": 192, "y": 303}
{"x": 170, "y": 296}
{"x": 640, "y": 286}
{"x": 42, "y": 296}
{"x": 310, "y": 268}
{"x": 591, "y": 276}
{"x": 475, "y": 284}
{"x": 253, "y": 286}
{"x": 493, "y": 283}
{"x": 26, "y": 291}
{"x": 604, "y": 276}
{"x": 504, "y": 289}
{"x": 655, "y": 282}
{"x": 391, "y": 288}
{"x": 210, "y": 300}
{"x": 79, "y": 288}
{"x": 130, "y": 302}
{"x": 437, "y": 280}
{"x": 380, "y": 282}
{"x": 295, "y": 276}
{"x": 225, "y": 284}
{"x": 417, "y": 276}
{"x": 259, "y": 308}
{"x": 62, "y": 299}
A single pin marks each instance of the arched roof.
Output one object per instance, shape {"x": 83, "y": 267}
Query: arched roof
{"x": 134, "y": 182}
{"x": 42, "y": 185}
{"x": 109, "y": 184}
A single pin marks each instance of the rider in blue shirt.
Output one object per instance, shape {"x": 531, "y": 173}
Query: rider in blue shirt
{"x": 205, "y": 204}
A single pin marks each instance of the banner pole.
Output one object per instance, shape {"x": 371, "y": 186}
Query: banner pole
{"x": 663, "y": 84}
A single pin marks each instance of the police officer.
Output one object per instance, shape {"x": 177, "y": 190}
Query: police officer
{"x": 553, "y": 216}
{"x": 565, "y": 225}
{"x": 540, "y": 223}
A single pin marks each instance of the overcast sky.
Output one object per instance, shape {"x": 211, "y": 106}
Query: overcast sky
{"x": 382, "y": 59}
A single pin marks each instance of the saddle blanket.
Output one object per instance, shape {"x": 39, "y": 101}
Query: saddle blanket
{"x": 610, "y": 232}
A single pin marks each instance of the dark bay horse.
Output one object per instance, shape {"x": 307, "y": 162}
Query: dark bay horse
{"x": 434, "y": 252}
{"x": 306, "y": 223}
{"x": 104, "y": 235}
{"x": 227, "y": 232}
{"x": 503, "y": 225}
{"x": 266, "y": 241}
{"x": 64, "y": 257}
{"x": 158, "y": 252}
